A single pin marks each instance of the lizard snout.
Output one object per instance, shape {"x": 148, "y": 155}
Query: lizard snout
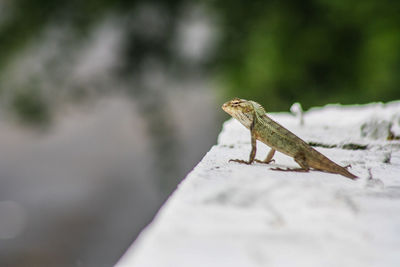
{"x": 225, "y": 106}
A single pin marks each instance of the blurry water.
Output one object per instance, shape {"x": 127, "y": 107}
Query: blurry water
{"x": 80, "y": 192}
{"x": 123, "y": 124}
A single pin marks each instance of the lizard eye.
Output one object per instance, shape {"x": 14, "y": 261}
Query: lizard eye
{"x": 235, "y": 102}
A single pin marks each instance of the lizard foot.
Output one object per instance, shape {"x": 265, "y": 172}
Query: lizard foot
{"x": 240, "y": 161}
{"x": 290, "y": 170}
{"x": 264, "y": 162}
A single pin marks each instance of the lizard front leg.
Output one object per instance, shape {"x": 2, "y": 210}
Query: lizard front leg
{"x": 269, "y": 157}
{"x": 252, "y": 153}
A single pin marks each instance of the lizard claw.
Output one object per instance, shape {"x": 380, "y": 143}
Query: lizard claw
{"x": 264, "y": 162}
{"x": 290, "y": 170}
{"x": 240, "y": 161}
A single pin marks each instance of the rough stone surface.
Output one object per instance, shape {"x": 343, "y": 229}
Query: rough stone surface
{"x": 228, "y": 214}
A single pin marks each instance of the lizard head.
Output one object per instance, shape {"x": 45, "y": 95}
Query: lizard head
{"x": 240, "y": 109}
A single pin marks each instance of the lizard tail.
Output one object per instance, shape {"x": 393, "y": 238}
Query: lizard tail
{"x": 347, "y": 174}
{"x": 335, "y": 168}
{"x": 327, "y": 165}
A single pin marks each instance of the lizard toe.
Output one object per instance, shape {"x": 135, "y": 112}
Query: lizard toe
{"x": 240, "y": 161}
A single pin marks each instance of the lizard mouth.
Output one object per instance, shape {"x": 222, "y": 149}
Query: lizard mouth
{"x": 225, "y": 107}
{"x": 228, "y": 109}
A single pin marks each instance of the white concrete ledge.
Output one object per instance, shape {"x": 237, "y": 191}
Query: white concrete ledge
{"x": 228, "y": 214}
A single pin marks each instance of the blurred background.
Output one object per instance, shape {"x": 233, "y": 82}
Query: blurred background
{"x": 106, "y": 105}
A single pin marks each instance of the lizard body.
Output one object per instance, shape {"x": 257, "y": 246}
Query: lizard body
{"x": 253, "y": 116}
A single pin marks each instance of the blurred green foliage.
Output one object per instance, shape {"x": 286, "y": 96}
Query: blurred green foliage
{"x": 276, "y": 52}
{"x": 313, "y": 51}
{"x": 30, "y": 107}
{"x": 23, "y": 22}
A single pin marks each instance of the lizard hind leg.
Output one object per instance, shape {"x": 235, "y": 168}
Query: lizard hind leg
{"x": 301, "y": 160}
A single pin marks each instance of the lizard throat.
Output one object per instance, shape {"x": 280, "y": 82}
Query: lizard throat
{"x": 243, "y": 118}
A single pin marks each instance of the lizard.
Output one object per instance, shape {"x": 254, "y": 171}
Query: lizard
{"x": 254, "y": 117}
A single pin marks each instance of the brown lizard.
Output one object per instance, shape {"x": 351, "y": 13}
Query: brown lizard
{"x": 253, "y": 116}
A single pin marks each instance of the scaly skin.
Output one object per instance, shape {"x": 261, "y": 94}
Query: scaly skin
{"x": 253, "y": 116}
